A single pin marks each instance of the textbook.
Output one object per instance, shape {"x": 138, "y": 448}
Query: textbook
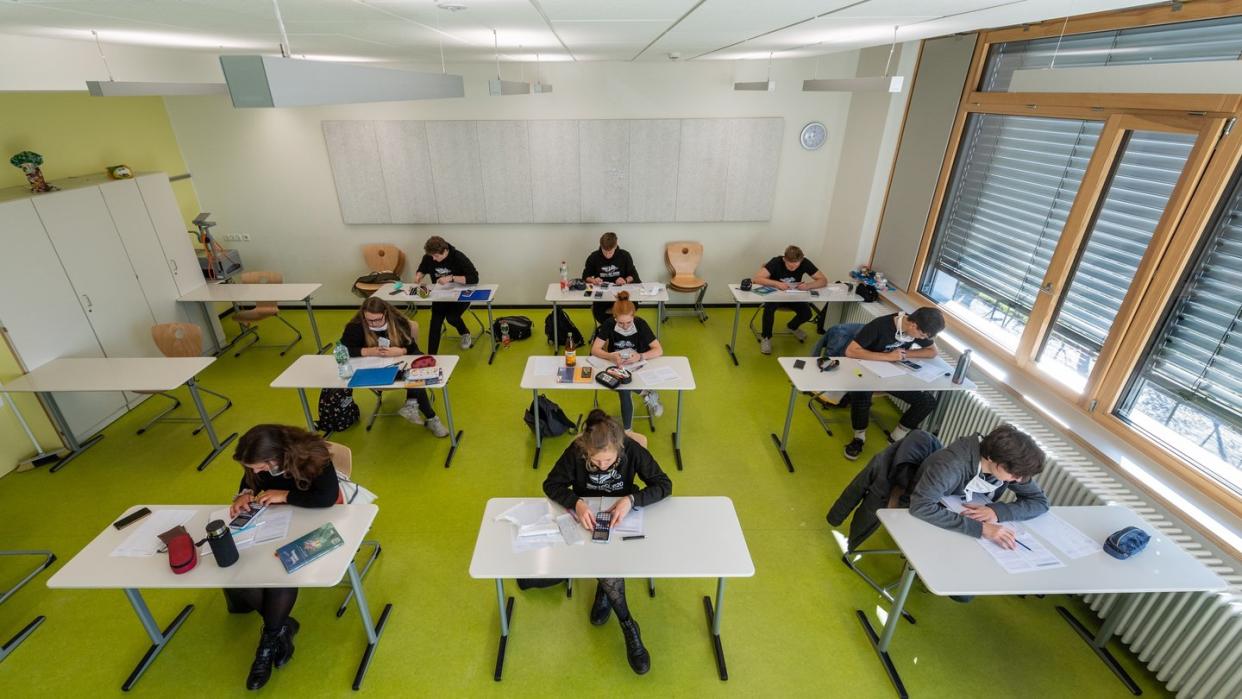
{"x": 309, "y": 547}
{"x": 475, "y": 295}
{"x": 579, "y": 374}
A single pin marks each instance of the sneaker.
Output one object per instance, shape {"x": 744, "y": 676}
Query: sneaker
{"x": 410, "y": 412}
{"x": 436, "y": 427}
{"x": 765, "y": 345}
{"x": 800, "y": 334}
{"x": 467, "y": 341}
{"x": 654, "y": 406}
{"x": 853, "y": 449}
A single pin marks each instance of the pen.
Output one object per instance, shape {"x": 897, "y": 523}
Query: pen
{"x": 1019, "y": 543}
{"x": 631, "y": 538}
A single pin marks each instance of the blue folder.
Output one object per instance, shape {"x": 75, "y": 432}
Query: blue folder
{"x": 379, "y": 376}
{"x": 475, "y": 295}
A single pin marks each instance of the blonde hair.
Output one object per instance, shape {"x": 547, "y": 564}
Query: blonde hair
{"x": 623, "y": 306}
{"x": 399, "y": 334}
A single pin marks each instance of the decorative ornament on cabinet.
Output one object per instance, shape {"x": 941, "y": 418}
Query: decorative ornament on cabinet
{"x": 30, "y": 163}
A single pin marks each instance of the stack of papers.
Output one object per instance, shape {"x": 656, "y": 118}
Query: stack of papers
{"x": 536, "y": 526}
{"x": 1029, "y": 555}
{"x": 1067, "y": 538}
{"x": 656, "y": 376}
{"x": 145, "y": 539}
{"x": 271, "y": 525}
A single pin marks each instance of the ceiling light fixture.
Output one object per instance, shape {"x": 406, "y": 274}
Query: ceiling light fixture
{"x": 112, "y": 88}
{"x": 767, "y": 85}
{"x": 499, "y": 87}
{"x": 888, "y": 83}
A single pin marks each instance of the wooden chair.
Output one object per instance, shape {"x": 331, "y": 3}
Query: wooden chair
{"x": 248, "y": 318}
{"x": 343, "y": 461}
{"x": 683, "y": 259}
{"x": 180, "y": 340}
{"x": 379, "y": 257}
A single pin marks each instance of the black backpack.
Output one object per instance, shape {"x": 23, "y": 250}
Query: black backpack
{"x": 520, "y": 327}
{"x": 337, "y": 410}
{"x": 374, "y": 278}
{"x": 553, "y": 422}
{"x": 565, "y": 329}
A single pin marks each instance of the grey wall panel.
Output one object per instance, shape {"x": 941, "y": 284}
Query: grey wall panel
{"x": 754, "y": 161}
{"x": 454, "y": 150}
{"x": 354, "y": 155}
{"x": 702, "y": 169}
{"x": 504, "y": 152}
{"x": 406, "y": 166}
{"x": 604, "y": 157}
{"x": 554, "y": 179}
{"x": 655, "y": 153}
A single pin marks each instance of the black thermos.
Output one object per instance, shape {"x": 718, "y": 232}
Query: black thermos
{"x": 220, "y": 539}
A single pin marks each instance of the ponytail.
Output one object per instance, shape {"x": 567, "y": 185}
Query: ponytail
{"x": 623, "y": 306}
{"x": 600, "y": 432}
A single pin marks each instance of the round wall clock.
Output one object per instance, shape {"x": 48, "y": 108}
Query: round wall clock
{"x": 813, "y": 136}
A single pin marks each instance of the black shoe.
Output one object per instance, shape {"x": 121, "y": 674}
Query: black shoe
{"x": 289, "y": 630}
{"x": 264, "y": 658}
{"x": 602, "y": 608}
{"x": 640, "y": 659}
{"x": 853, "y": 449}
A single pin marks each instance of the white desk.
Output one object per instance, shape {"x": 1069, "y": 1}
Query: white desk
{"x": 94, "y": 568}
{"x": 94, "y": 374}
{"x": 319, "y": 371}
{"x": 540, "y": 375}
{"x": 254, "y": 293}
{"x": 408, "y": 295}
{"x": 560, "y": 298}
{"x": 849, "y": 376}
{"x": 750, "y": 298}
{"x": 953, "y": 564}
{"x": 686, "y": 537}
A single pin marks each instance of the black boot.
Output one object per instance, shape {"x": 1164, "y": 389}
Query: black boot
{"x": 640, "y": 659}
{"x": 264, "y": 658}
{"x": 602, "y": 608}
{"x": 285, "y": 652}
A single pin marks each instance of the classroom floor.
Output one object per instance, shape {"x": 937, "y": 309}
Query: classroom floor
{"x": 789, "y": 631}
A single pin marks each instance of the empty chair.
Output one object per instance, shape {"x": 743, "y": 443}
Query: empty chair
{"x": 180, "y": 340}
{"x": 343, "y": 462}
{"x": 381, "y": 258}
{"x": 248, "y": 318}
{"x": 683, "y": 261}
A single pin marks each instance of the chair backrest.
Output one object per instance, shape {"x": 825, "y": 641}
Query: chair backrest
{"x": 383, "y": 257}
{"x": 262, "y": 277}
{"x": 683, "y": 258}
{"x": 178, "y": 339}
{"x": 342, "y": 458}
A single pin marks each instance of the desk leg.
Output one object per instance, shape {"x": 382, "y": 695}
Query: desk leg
{"x": 556, "y": 345}
{"x": 209, "y": 328}
{"x": 659, "y": 318}
{"x": 454, "y": 435}
{"x": 538, "y": 434}
{"x": 782, "y": 444}
{"x": 373, "y": 633}
{"x": 159, "y": 639}
{"x": 310, "y": 313}
{"x": 16, "y": 641}
{"x": 1099, "y": 642}
{"x": 306, "y": 411}
{"x": 677, "y": 433}
{"x": 732, "y": 346}
{"x": 881, "y": 644}
{"x": 71, "y": 441}
{"x": 48, "y": 559}
{"x": 713, "y": 627}
{"x": 491, "y": 331}
{"x": 216, "y": 445}
{"x": 506, "y": 614}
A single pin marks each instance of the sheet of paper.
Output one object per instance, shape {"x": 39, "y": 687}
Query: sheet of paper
{"x": 444, "y": 294}
{"x": 145, "y": 539}
{"x": 632, "y": 524}
{"x": 1028, "y": 556}
{"x": 530, "y": 543}
{"x": 933, "y": 369}
{"x": 651, "y": 288}
{"x": 571, "y": 531}
{"x": 1064, "y": 536}
{"x": 658, "y": 375}
{"x": 524, "y": 513}
{"x": 883, "y": 370}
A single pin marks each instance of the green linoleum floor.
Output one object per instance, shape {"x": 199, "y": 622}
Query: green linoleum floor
{"x": 788, "y": 631}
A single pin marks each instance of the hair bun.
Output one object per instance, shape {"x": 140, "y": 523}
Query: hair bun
{"x": 623, "y": 296}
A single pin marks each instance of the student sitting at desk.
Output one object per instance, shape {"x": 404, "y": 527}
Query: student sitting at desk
{"x": 379, "y": 330}
{"x": 893, "y": 338}
{"x": 602, "y": 462}
{"x": 609, "y": 264}
{"x": 785, "y": 273}
{"x": 444, "y": 264}
{"x": 626, "y": 339}
{"x": 283, "y": 465}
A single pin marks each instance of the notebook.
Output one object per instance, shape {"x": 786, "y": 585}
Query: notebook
{"x": 309, "y": 547}
{"x": 378, "y": 376}
{"x": 475, "y": 295}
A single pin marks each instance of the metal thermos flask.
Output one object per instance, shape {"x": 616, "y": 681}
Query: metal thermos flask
{"x": 220, "y": 539}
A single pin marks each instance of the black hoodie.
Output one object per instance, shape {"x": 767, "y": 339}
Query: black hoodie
{"x": 570, "y": 481}
{"x": 455, "y": 265}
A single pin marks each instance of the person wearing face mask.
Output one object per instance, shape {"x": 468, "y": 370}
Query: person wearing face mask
{"x": 379, "y": 330}
{"x": 625, "y": 339}
{"x": 281, "y": 466}
{"x": 442, "y": 265}
{"x": 893, "y": 338}
{"x": 609, "y": 264}
{"x": 603, "y": 461}
{"x": 784, "y": 273}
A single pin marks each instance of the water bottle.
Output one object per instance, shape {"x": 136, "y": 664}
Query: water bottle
{"x": 564, "y": 276}
{"x": 504, "y": 333}
{"x": 220, "y": 539}
{"x": 343, "y": 368}
{"x": 963, "y": 363}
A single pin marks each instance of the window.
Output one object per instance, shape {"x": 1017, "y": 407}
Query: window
{"x": 1187, "y": 391}
{"x": 1014, "y": 181}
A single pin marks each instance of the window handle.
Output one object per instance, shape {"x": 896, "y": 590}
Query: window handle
{"x": 1048, "y": 289}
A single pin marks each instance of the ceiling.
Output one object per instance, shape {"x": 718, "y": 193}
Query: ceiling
{"x": 415, "y": 31}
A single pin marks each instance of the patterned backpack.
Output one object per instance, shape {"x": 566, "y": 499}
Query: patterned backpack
{"x": 337, "y": 410}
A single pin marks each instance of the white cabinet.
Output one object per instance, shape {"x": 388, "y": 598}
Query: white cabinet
{"x": 175, "y": 242}
{"x": 145, "y": 252}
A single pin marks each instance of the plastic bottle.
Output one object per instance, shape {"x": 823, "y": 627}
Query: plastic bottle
{"x": 564, "y": 276}
{"x": 343, "y": 368}
{"x": 963, "y": 363}
{"x": 504, "y": 333}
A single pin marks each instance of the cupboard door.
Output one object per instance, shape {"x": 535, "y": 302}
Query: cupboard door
{"x": 142, "y": 245}
{"x": 177, "y": 245}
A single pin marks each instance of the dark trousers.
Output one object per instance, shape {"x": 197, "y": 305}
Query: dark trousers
{"x": 419, "y": 395}
{"x": 802, "y": 313}
{"x": 922, "y": 403}
{"x": 441, "y": 312}
{"x": 274, "y": 604}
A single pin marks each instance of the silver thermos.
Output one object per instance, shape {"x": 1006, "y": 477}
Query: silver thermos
{"x": 963, "y": 364}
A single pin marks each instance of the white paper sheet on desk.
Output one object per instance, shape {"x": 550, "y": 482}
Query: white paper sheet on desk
{"x": 1035, "y": 556}
{"x": 658, "y": 375}
{"x": 632, "y": 524}
{"x": 572, "y": 532}
{"x": 272, "y": 525}
{"x": 145, "y": 540}
{"x": 651, "y": 288}
{"x": 933, "y": 369}
{"x": 1064, "y": 536}
{"x": 883, "y": 370}
{"x": 444, "y": 294}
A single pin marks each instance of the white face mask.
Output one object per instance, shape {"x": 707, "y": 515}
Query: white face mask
{"x": 625, "y": 332}
{"x": 380, "y": 329}
{"x": 900, "y": 335}
{"x": 979, "y": 485}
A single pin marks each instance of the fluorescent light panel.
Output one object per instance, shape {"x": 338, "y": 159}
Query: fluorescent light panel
{"x": 888, "y": 84}
{"x": 271, "y": 81}
{"x": 760, "y": 86}
{"x": 497, "y": 88}
{"x": 110, "y": 88}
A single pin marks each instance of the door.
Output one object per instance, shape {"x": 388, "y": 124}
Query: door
{"x": 142, "y": 245}
{"x": 175, "y": 241}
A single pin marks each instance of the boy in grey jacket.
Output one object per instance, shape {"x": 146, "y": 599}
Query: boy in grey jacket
{"x": 977, "y": 471}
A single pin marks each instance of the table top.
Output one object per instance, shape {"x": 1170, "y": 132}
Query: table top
{"x": 825, "y": 296}
{"x": 250, "y": 293}
{"x": 953, "y": 564}
{"x": 80, "y": 374}
{"x": 846, "y": 378}
{"x": 609, "y": 293}
{"x": 319, "y": 371}
{"x": 540, "y": 373}
{"x": 686, "y": 537}
{"x": 388, "y": 293}
{"x": 94, "y": 568}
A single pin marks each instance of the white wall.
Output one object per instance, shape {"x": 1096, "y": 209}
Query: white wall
{"x": 36, "y": 64}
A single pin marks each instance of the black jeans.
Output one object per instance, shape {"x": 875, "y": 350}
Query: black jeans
{"x": 441, "y": 312}
{"x": 802, "y": 313}
{"x": 922, "y": 403}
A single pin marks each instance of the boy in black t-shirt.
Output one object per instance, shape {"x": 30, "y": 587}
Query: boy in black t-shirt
{"x": 608, "y": 264}
{"x": 445, "y": 264}
{"x": 627, "y": 340}
{"x": 893, "y": 338}
{"x": 784, "y": 273}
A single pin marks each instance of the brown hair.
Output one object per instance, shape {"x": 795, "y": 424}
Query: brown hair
{"x": 608, "y": 241}
{"x": 399, "y": 334}
{"x": 435, "y": 245}
{"x": 1014, "y": 450}
{"x": 623, "y": 306}
{"x": 301, "y": 455}
{"x": 930, "y": 320}
{"x": 793, "y": 253}
{"x": 600, "y": 432}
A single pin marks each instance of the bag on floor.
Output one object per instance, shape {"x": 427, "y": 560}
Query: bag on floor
{"x": 565, "y": 329}
{"x": 553, "y": 422}
{"x": 520, "y": 327}
{"x": 337, "y": 410}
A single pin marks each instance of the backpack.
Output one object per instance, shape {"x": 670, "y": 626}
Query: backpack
{"x": 337, "y": 410}
{"x": 553, "y": 422}
{"x": 374, "y": 278}
{"x": 520, "y": 327}
{"x": 565, "y": 329}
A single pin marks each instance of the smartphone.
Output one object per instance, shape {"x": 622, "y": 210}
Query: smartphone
{"x": 602, "y": 529}
{"x": 587, "y": 294}
{"x": 815, "y": 292}
{"x": 599, "y": 294}
{"x": 131, "y": 518}
{"x": 799, "y": 363}
{"x": 244, "y": 518}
